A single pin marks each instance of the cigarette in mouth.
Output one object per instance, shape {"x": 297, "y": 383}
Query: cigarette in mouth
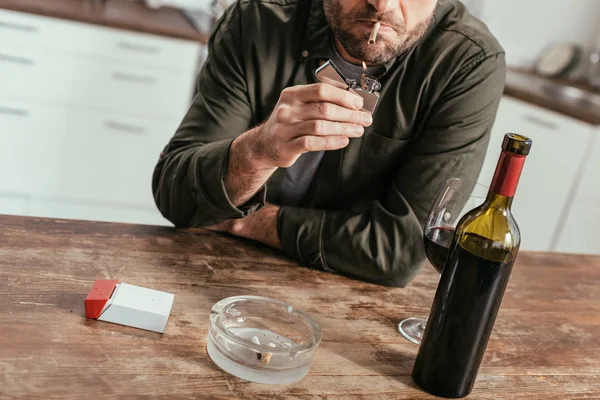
{"x": 373, "y": 36}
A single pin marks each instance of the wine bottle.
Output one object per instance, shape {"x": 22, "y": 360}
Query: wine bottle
{"x": 475, "y": 275}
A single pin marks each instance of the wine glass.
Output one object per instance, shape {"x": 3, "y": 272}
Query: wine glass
{"x": 452, "y": 202}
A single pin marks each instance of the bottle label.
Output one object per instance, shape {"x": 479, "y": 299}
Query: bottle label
{"x": 507, "y": 174}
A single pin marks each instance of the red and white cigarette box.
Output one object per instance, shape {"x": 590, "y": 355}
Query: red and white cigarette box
{"x": 124, "y": 304}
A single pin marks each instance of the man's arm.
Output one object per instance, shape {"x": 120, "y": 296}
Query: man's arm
{"x": 215, "y": 167}
{"x": 316, "y": 117}
{"x": 187, "y": 182}
{"x": 245, "y": 176}
{"x": 384, "y": 244}
{"x": 260, "y": 226}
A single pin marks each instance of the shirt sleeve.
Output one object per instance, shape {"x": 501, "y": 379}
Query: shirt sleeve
{"x": 188, "y": 182}
{"x": 384, "y": 244}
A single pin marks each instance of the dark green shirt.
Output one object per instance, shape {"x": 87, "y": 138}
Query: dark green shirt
{"x": 364, "y": 211}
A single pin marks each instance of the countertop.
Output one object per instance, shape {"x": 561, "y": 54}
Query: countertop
{"x": 122, "y": 14}
{"x": 545, "y": 345}
{"x": 555, "y": 94}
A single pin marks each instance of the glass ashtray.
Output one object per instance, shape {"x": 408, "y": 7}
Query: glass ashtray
{"x": 262, "y": 340}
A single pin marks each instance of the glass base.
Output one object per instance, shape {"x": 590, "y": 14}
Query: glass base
{"x": 412, "y": 329}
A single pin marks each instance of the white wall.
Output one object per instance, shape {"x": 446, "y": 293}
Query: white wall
{"x": 525, "y": 27}
{"x": 474, "y": 6}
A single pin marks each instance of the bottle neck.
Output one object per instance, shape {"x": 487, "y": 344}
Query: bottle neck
{"x": 499, "y": 202}
{"x": 506, "y": 179}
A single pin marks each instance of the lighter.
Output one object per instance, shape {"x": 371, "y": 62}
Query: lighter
{"x": 368, "y": 88}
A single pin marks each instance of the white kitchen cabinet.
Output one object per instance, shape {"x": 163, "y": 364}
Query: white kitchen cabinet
{"x": 138, "y": 49}
{"x": 138, "y": 91}
{"x": 32, "y": 136}
{"x": 28, "y": 72}
{"x": 85, "y": 111}
{"x": 111, "y": 156}
{"x": 559, "y": 146}
{"x": 580, "y": 232}
{"x": 97, "y": 42}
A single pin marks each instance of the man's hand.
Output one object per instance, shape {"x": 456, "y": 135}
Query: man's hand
{"x": 306, "y": 118}
{"x": 260, "y": 226}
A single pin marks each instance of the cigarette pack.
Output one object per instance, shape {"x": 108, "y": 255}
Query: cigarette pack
{"x": 130, "y": 305}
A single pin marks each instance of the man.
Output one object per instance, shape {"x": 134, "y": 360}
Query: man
{"x": 266, "y": 153}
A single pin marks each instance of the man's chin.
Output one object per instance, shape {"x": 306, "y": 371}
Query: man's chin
{"x": 377, "y": 53}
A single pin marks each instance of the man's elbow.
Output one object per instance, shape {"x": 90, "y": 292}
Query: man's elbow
{"x": 171, "y": 214}
{"x": 384, "y": 271}
{"x": 393, "y": 263}
{"x": 163, "y": 199}
{"x": 395, "y": 272}
{"x": 184, "y": 213}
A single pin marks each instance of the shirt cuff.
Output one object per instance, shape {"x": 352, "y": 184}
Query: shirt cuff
{"x": 212, "y": 161}
{"x": 300, "y": 231}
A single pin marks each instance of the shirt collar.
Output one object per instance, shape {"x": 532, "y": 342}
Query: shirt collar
{"x": 316, "y": 37}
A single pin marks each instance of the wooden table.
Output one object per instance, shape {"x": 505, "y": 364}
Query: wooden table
{"x": 546, "y": 343}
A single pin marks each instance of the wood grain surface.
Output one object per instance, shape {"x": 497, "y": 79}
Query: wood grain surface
{"x": 545, "y": 345}
{"x": 121, "y": 14}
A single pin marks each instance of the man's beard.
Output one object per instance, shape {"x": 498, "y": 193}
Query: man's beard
{"x": 356, "y": 44}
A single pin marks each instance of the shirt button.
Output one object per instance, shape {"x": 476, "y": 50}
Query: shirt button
{"x": 305, "y": 53}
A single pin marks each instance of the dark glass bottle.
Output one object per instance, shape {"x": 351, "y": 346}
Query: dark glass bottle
{"x": 475, "y": 275}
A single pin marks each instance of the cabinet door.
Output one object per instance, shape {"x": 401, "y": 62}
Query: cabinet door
{"x": 110, "y": 157}
{"x": 34, "y": 73}
{"x": 140, "y": 49}
{"x": 580, "y": 232}
{"x": 549, "y": 172}
{"x": 32, "y": 139}
{"x": 133, "y": 90}
{"x": 98, "y": 42}
{"x": 30, "y": 30}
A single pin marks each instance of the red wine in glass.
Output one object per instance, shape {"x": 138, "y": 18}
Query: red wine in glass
{"x": 437, "y": 245}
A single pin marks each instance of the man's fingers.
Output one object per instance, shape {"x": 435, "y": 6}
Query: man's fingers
{"x": 334, "y": 112}
{"x": 305, "y": 144}
{"x": 322, "y": 92}
{"x": 319, "y": 127}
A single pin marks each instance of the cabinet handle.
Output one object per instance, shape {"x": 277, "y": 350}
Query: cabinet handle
{"x": 17, "y": 112}
{"x": 119, "y": 126}
{"x": 121, "y": 76}
{"x": 138, "y": 47}
{"x": 18, "y": 27}
{"x": 542, "y": 122}
{"x": 16, "y": 59}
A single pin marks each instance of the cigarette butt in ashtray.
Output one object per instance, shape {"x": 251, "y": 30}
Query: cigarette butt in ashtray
{"x": 264, "y": 357}
{"x": 374, "y": 32}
